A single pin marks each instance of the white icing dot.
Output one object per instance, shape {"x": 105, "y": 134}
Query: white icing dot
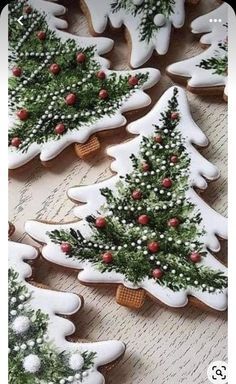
{"x": 159, "y": 20}
{"x": 32, "y": 363}
{"x": 21, "y": 324}
{"x": 76, "y": 362}
{"x": 62, "y": 381}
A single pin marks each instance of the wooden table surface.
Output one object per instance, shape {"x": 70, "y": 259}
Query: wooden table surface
{"x": 163, "y": 346}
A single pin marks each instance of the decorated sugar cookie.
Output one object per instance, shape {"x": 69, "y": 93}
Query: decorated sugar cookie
{"x": 61, "y": 91}
{"x": 207, "y": 72}
{"x": 146, "y": 229}
{"x": 38, "y": 349}
{"x": 148, "y": 23}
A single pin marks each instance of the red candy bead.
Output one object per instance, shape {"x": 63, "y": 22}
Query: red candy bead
{"x": 154, "y": 246}
{"x": 158, "y": 138}
{"x": 145, "y": 167}
{"x": 80, "y": 58}
{"x": 55, "y": 69}
{"x": 70, "y": 99}
{"x": 100, "y": 222}
{"x": 174, "y": 159}
{"x": 15, "y": 142}
{"x": 157, "y": 273}
{"x": 174, "y": 222}
{"x": 17, "y": 71}
{"x": 103, "y": 94}
{"x": 174, "y": 115}
{"x": 137, "y": 195}
{"x": 133, "y": 80}
{"x": 60, "y": 129}
{"x": 101, "y": 75}
{"x": 41, "y": 35}
{"x": 23, "y": 114}
{"x": 107, "y": 257}
{"x": 66, "y": 247}
{"x": 195, "y": 257}
{"x": 27, "y": 9}
{"x": 167, "y": 183}
{"x": 143, "y": 219}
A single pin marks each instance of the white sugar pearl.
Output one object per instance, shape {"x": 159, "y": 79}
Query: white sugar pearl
{"x": 85, "y": 374}
{"x": 21, "y": 324}
{"x": 203, "y": 285}
{"x": 181, "y": 275}
{"x": 77, "y": 376}
{"x": 32, "y": 363}
{"x": 62, "y": 381}
{"x": 165, "y": 267}
{"x": 173, "y": 271}
{"x": 162, "y": 236}
{"x": 170, "y": 239}
{"x": 188, "y": 279}
{"x": 23, "y": 347}
{"x": 16, "y": 348}
{"x": 145, "y": 252}
{"x": 196, "y": 282}
{"x": 179, "y": 241}
{"x": 158, "y": 263}
{"x": 13, "y": 299}
{"x": 152, "y": 258}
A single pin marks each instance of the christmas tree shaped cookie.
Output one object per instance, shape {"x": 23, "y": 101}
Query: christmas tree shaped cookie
{"x": 206, "y": 73}
{"x": 146, "y": 229}
{"x": 148, "y": 23}
{"x": 60, "y": 90}
{"x": 38, "y": 349}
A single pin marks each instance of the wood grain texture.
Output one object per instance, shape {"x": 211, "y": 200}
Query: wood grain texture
{"x": 163, "y": 346}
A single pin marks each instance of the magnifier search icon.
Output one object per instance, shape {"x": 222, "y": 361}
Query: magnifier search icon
{"x": 217, "y": 372}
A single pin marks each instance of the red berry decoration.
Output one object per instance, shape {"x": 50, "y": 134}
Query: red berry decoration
{"x": 174, "y": 222}
{"x": 174, "y": 115}
{"x": 153, "y": 247}
{"x": 15, "y": 142}
{"x": 133, "y": 80}
{"x": 158, "y": 138}
{"x": 174, "y": 159}
{"x": 70, "y": 99}
{"x": 101, "y": 75}
{"x": 23, "y": 114}
{"x": 107, "y": 257}
{"x": 103, "y": 94}
{"x": 41, "y": 35}
{"x": 17, "y": 71}
{"x": 195, "y": 257}
{"x": 80, "y": 58}
{"x": 166, "y": 183}
{"x": 137, "y": 195}
{"x": 157, "y": 273}
{"x": 100, "y": 222}
{"x": 27, "y": 9}
{"x": 55, "y": 69}
{"x": 60, "y": 129}
{"x": 66, "y": 247}
{"x": 145, "y": 167}
{"x": 143, "y": 219}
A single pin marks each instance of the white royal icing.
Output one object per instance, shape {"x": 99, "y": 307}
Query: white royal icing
{"x": 138, "y": 99}
{"x": 101, "y": 12}
{"x": 213, "y": 223}
{"x": 56, "y": 303}
{"x": 214, "y": 33}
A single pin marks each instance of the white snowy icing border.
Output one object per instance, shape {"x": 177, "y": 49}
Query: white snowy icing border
{"x": 100, "y": 13}
{"x": 56, "y": 303}
{"x": 214, "y": 224}
{"x": 214, "y": 32}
